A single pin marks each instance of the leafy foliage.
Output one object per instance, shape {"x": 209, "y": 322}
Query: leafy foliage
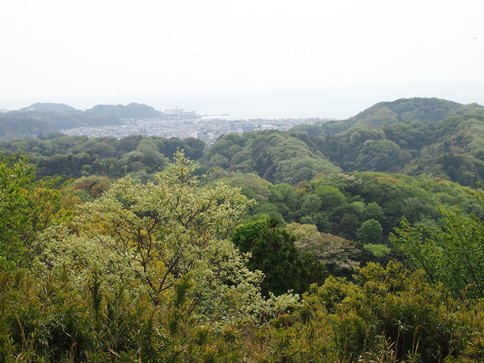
{"x": 272, "y": 250}
{"x": 275, "y": 156}
{"x": 73, "y": 156}
{"x": 157, "y": 236}
{"x": 27, "y": 207}
{"x": 88, "y": 288}
{"x": 415, "y": 136}
{"x": 452, "y": 254}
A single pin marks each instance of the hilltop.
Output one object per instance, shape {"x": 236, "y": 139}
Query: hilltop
{"x": 415, "y": 136}
{"x": 42, "y": 119}
{"x": 49, "y": 107}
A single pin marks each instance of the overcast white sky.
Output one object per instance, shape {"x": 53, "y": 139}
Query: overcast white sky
{"x": 268, "y": 58}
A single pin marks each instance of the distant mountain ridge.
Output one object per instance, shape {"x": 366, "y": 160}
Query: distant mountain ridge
{"x": 48, "y": 107}
{"x": 41, "y": 119}
{"x": 119, "y": 112}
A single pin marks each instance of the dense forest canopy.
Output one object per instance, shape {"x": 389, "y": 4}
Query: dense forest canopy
{"x": 414, "y": 136}
{"x": 76, "y": 156}
{"x": 357, "y": 240}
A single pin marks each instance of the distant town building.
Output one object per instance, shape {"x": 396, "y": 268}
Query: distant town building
{"x": 179, "y": 123}
{"x": 180, "y": 113}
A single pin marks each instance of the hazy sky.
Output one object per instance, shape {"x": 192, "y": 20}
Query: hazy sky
{"x": 268, "y": 58}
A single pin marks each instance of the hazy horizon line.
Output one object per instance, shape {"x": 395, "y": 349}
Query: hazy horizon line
{"x": 333, "y": 103}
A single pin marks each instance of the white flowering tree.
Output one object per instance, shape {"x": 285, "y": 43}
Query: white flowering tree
{"x": 172, "y": 231}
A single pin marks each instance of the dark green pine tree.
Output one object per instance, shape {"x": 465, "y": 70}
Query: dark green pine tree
{"x": 274, "y": 253}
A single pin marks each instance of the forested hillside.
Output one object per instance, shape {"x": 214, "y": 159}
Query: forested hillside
{"x": 275, "y": 156}
{"x": 76, "y": 156}
{"x": 415, "y": 136}
{"x": 356, "y": 241}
